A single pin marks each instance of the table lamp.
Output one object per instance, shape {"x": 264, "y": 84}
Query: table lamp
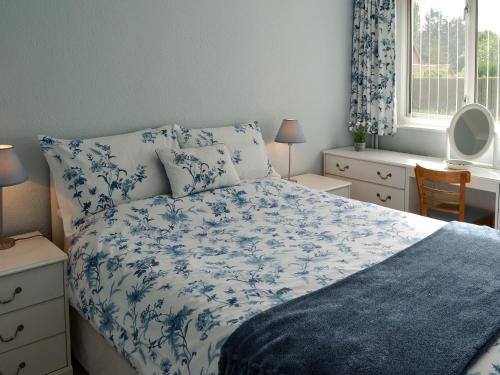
{"x": 290, "y": 132}
{"x": 11, "y": 173}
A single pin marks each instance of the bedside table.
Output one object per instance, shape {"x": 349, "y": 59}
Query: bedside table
{"x": 34, "y": 324}
{"x": 326, "y": 184}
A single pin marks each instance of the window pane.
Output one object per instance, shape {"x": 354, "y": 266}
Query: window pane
{"x": 488, "y": 55}
{"x": 438, "y": 58}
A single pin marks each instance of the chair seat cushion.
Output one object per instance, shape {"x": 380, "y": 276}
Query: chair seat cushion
{"x": 472, "y": 214}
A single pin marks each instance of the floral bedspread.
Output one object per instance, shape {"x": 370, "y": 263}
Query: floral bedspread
{"x": 166, "y": 281}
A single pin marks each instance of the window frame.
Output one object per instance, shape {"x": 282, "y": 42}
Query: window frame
{"x": 403, "y": 68}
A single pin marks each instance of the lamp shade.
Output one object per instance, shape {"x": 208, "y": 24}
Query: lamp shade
{"x": 11, "y": 169}
{"x": 290, "y": 132}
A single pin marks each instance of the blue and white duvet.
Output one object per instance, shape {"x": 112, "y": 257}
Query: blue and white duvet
{"x": 167, "y": 281}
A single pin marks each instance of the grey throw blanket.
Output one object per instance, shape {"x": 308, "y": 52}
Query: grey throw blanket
{"x": 430, "y": 309}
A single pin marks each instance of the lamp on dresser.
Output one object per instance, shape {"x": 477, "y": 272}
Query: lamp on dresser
{"x": 11, "y": 173}
{"x": 290, "y": 132}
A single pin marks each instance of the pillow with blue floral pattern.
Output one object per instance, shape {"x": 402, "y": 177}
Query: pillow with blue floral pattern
{"x": 244, "y": 142}
{"x": 92, "y": 175}
{"x": 193, "y": 170}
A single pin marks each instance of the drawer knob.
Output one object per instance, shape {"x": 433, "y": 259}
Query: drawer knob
{"x": 340, "y": 168}
{"x": 389, "y": 175}
{"x": 16, "y": 291}
{"x": 388, "y": 198}
{"x": 19, "y": 328}
{"x": 19, "y": 368}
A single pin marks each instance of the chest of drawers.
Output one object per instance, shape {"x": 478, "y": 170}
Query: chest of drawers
{"x": 34, "y": 328}
{"x": 378, "y": 183}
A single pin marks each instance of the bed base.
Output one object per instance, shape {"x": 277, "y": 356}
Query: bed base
{"x": 93, "y": 352}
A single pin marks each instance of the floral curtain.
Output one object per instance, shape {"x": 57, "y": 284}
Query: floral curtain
{"x": 373, "y": 65}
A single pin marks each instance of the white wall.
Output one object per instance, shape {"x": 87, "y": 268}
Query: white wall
{"x": 81, "y": 68}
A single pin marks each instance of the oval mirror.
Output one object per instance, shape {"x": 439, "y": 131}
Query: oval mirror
{"x": 471, "y": 131}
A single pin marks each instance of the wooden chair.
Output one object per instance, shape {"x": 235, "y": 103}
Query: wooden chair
{"x": 447, "y": 205}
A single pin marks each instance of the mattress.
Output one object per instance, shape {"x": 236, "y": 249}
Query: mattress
{"x": 166, "y": 281}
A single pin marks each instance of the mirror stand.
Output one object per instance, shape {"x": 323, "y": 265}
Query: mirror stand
{"x": 496, "y": 149}
{"x": 472, "y": 133}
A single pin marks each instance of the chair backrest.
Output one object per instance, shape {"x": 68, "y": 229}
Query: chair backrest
{"x": 431, "y": 197}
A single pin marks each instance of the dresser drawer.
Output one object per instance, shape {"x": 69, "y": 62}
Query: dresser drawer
{"x": 31, "y": 287}
{"x": 378, "y": 194}
{"x": 42, "y": 357}
{"x": 33, "y": 323}
{"x": 383, "y": 174}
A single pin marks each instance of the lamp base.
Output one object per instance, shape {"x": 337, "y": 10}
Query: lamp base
{"x": 6, "y": 243}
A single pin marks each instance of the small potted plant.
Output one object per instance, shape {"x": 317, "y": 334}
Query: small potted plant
{"x": 360, "y": 130}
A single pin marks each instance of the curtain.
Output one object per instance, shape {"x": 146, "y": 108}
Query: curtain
{"x": 373, "y": 65}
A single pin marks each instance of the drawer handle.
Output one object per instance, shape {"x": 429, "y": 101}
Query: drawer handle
{"x": 389, "y": 175}
{"x": 388, "y": 198}
{"x": 19, "y": 328}
{"x": 19, "y": 368}
{"x": 340, "y": 168}
{"x": 17, "y": 291}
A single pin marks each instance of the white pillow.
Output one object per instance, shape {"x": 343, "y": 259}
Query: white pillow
{"x": 91, "y": 175}
{"x": 244, "y": 141}
{"x": 192, "y": 170}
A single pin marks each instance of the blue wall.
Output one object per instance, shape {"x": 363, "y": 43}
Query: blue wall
{"x": 74, "y": 68}
{"x": 416, "y": 141}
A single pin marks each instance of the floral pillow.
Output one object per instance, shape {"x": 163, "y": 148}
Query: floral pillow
{"x": 91, "y": 175}
{"x": 192, "y": 170}
{"x": 245, "y": 144}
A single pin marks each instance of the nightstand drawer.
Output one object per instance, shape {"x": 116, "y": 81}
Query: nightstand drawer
{"x": 34, "y": 323}
{"x": 378, "y": 194}
{"x": 27, "y": 288}
{"x": 382, "y": 174}
{"x": 42, "y": 357}
{"x": 341, "y": 192}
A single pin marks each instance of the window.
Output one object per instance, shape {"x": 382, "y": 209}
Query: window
{"x": 488, "y": 56}
{"x": 451, "y": 56}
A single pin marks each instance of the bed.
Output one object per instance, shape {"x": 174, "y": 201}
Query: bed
{"x": 157, "y": 285}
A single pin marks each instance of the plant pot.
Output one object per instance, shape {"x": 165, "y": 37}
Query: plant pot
{"x": 359, "y": 146}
